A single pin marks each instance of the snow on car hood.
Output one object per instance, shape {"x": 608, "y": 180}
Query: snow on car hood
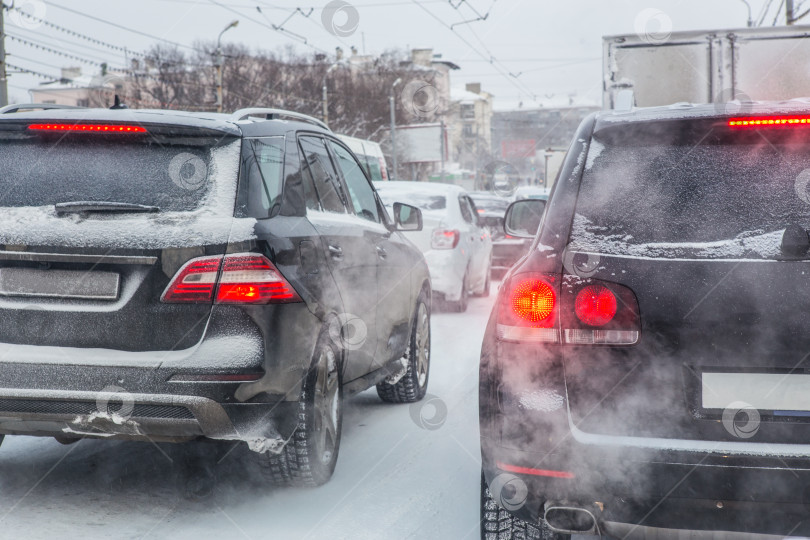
{"x": 752, "y": 244}
{"x": 211, "y": 223}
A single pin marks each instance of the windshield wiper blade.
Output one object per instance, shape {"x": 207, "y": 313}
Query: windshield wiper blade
{"x": 76, "y": 207}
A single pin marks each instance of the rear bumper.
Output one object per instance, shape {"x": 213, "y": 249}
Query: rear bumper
{"x": 635, "y": 486}
{"x": 137, "y": 416}
{"x": 242, "y": 386}
{"x": 646, "y": 496}
{"x": 446, "y": 267}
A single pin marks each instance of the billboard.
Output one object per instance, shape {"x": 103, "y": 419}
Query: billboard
{"x": 517, "y": 148}
{"x": 419, "y": 143}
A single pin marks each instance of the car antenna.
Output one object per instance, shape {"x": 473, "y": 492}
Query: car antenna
{"x": 118, "y": 104}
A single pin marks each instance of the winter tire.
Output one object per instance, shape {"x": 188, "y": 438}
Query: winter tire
{"x": 413, "y": 385}
{"x": 309, "y": 459}
{"x": 499, "y": 524}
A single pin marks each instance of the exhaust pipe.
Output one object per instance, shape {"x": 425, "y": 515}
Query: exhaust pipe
{"x": 567, "y": 519}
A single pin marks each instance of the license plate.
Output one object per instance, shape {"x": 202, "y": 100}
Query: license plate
{"x": 762, "y": 391}
{"x": 59, "y": 283}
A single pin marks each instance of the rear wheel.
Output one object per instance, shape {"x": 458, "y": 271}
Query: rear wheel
{"x": 487, "y": 281}
{"x": 499, "y": 524}
{"x": 413, "y": 385}
{"x": 309, "y": 458}
{"x": 461, "y": 305}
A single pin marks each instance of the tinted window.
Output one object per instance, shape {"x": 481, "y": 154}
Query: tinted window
{"x": 490, "y": 204}
{"x": 716, "y": 198}
{"x": 360, "y": 192}
{"x": 318, "y": 169}
{"x": 266, "y": 162}
{"x": 466, "y": 211}
{"x": 40, "y": 172}
{"x": 419, "y": 200}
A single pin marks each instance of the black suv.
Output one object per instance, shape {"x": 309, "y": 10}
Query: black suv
{"x": 645, "y": 369}
{"x": 170, "y": 276}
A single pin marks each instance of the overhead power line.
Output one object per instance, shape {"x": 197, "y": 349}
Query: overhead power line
{"x": 492, "y": 60}
{"x": 122, "y": 27}
{"x": 71, "y": 32}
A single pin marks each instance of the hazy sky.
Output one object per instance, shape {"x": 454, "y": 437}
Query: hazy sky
{"x": 550, "y": 48}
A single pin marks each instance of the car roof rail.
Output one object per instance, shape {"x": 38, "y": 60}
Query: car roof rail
{"x": 274, "y": 114}
{"x": 34, "y": 106}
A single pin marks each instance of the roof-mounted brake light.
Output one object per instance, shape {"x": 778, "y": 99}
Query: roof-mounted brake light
{"x": 89, "y": 128}
{"x": 769, "y": 122}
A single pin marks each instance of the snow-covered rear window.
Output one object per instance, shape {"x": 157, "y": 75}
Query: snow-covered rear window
{"x": 705, "y": 193}
{"x": 47, "y": 171}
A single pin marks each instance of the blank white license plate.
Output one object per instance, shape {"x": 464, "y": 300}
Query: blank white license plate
{"x": 763, "y": 391}
{"x": 59, "y": 283}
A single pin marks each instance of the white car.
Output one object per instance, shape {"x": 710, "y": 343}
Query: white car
{"x": 457, "y": 248}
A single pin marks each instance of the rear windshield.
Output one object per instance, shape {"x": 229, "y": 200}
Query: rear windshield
{"x": 419, "y": 200}
{"x": 713, "y": 195}
{"x": 490, "y": 204}
{"x": 44, "y": 172}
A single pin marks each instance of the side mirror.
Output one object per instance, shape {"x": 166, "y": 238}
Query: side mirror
{"x": 523, "y": 218}
{"x": 407, "y": 217}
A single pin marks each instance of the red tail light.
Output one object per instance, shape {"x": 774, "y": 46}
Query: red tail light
{"x": 88, "y": 128}
{"x": 533, "y": 300}
{"x": 246, "y": 278}
{"x": 383, "y": 170}
{"x": 553, "y": 308}
{"x": 252, "y": 279}
{"x": 595, "y": 305}
{"x": 445, "y": 238}
{"x": 194, "y": 282}
{"x": 769, "y": 122}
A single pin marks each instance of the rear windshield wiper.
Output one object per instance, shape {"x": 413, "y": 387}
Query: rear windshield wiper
{"x": 76, "y": 207}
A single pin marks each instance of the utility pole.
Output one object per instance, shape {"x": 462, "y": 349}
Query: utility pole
{"x": 218, "y": 64}
{"x": 443, "y": 150}
{"x": 3, "y": 75}
{"x": 789, "y": 12}
{"x": 392, "y": 103}
{"x": 325, "y": 96}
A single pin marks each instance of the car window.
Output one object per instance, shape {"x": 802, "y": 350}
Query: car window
{"x": 266, "y": 157}
{"x": 466, "y": 210}
{"x": 419, "y": 200}
{"x": 173, "y": 177}
{"x": 318, "y": 169}
{"x": 361, "y": 194}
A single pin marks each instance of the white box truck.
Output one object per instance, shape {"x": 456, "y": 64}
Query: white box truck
{"x": 708, "y": 66}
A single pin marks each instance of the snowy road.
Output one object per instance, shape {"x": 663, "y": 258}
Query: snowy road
{"x": 394, "y": 478}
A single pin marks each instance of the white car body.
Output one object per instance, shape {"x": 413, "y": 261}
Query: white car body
{"x": 470, "y": 258}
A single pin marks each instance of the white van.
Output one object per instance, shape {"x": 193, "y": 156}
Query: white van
{"x": 370, "y": 155}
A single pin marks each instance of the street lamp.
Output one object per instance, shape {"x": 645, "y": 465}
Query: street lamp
{"x": 392, "y": 102}
{"x": 750, "y": 21}
{"x": 325, "y": 95}
{"x": 218, "y": 64}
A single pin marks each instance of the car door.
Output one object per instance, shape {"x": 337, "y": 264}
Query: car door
{"x": 351, "y": 256}
{"x": 394, "y": 300}
{"x": 274, "y": 193}
{"x": 483, "y": 241}
{"x": 469, "y": 240}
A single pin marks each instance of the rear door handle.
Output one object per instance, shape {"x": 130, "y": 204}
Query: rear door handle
{"x": 336, "y": 252}
{"x": 381, "y": 252}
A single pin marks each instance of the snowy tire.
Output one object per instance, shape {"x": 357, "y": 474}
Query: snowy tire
{"x": 499, "y": 524}
{"x": 461, "y": 305}
{"x": 412, "y": 386}
{"x": 487, "y": 282}
{"x": 309, "y": 459}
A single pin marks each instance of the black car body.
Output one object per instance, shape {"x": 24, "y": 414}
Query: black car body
{"x": 644, "y": 370}
{"x": 168, "y": 276}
